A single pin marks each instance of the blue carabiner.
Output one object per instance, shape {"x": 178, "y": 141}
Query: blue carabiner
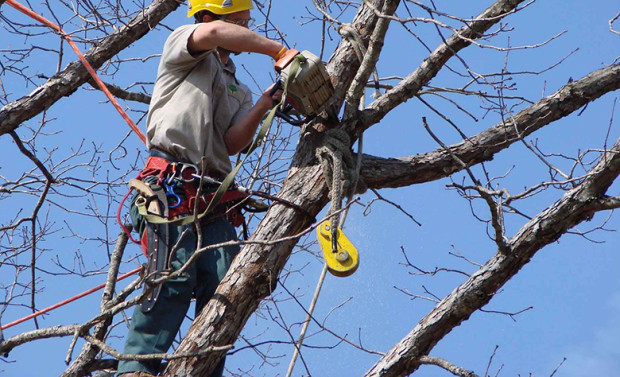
{"x": 176, "y": 199}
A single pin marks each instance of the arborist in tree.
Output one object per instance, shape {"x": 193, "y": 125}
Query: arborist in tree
{"x": 199, "y": 112}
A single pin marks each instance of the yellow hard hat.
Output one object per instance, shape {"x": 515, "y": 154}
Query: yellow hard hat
{"x": 218, "y": 6}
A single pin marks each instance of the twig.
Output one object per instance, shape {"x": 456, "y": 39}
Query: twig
{"x": 140, "y": 357}
{"x": 611, "y": 27}
{"x": 497, "y": 217}
{"x": 380, "y": 197}
{"x": 455, "y": 370}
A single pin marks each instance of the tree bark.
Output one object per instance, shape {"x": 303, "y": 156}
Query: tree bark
{"x": 255, "y": 271}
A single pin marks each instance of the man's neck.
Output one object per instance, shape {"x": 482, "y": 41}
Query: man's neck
{"x": 224, "y": 55}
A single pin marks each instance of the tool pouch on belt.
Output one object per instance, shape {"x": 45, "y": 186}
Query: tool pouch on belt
{"x": 158, "y": 239}
{"x": 155, "y": 240}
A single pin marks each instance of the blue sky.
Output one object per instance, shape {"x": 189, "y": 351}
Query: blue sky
{"x": 572, "y": 285}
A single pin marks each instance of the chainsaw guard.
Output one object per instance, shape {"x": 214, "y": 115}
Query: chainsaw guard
{"x": 345, "y": 260}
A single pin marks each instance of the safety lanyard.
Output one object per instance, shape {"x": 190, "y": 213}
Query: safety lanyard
{"x": 296, "y": 64}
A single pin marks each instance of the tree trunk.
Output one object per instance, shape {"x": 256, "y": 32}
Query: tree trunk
{"x": 254, "y": 272}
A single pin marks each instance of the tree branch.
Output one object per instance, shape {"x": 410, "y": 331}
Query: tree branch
{"x": 71, "y": 78}
{"x": 577, "y": 205}
{"x": 455, "y": 370}
{"x": 356, "y": 90}
{"x": 50, "y": 178}
{"x": 344, "y": 63}
{"x": 412, "y": 84}
{"x": 398, "y": 172}
{"x": 121, "y": 93}
{"x": 83, "y": 362}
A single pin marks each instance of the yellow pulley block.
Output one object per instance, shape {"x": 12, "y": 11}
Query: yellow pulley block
{"x": 345, "y": 260}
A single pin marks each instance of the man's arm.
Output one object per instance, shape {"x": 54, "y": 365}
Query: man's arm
{"x": 241, "y": 133}
{"x": 211, "y": 35}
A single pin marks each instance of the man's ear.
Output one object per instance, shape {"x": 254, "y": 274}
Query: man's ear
{"x": 207, "y": 18}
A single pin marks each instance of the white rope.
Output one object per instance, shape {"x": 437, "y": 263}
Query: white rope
{"x": 304, "y": 327}
{"x": 337, "y": 149}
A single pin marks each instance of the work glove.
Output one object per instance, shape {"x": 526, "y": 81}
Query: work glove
{"x": 285, "y": 58}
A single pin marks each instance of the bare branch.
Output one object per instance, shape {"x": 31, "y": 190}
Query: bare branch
{"x": 121, "y": 93}
{"x": 356, "y": 90}
{"x": 611, "y": 22}
{"x": 579, "y": 204}
{"x": 72, "y": 77}
{"x": 381, "y": 172}
{"x": 412, "y": 84}
{"x": 32, "y": 157}
{"x": 455, "y": 370}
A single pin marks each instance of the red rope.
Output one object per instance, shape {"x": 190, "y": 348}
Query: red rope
{"x": 118, "y": 218}
{"x": 89, "y": 68}
{"x": 120, "y": 110}
{"x": 65, "y": 302}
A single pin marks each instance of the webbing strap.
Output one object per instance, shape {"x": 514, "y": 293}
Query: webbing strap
{"x": 229, "y": 196}
{"x": 296, "y": 64}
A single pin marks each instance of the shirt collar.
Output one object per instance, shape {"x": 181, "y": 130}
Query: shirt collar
{"x": 230, "y": 67}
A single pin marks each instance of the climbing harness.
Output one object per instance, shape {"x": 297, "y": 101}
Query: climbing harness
{"x": 167, "y": 195}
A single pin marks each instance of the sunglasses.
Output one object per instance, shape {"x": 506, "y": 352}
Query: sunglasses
{"x": 246, "y": 22}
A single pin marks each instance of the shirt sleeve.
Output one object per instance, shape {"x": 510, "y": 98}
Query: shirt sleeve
{"x": 245, "y": 107}
{"x": 175, "y": 52}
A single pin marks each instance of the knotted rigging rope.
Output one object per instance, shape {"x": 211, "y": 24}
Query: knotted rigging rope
{"x": 337, "y": 149}
{"x": 341, "y": 173}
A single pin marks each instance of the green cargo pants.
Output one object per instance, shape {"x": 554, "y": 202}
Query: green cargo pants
{"x": 153, "y": 332}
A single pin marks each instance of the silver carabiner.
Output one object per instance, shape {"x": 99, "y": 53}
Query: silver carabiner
{"x": 181, "y": 172}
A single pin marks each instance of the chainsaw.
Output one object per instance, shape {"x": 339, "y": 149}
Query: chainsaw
{"x": 308, "y": 87}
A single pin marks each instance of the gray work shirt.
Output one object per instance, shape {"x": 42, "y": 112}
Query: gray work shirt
{"x": 195, "y": 100}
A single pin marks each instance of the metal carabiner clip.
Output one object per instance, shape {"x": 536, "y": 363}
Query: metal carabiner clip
{"x": 174, "y": 200}
{"x": 182, "y": 175}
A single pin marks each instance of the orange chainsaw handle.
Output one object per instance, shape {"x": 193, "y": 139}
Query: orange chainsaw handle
{"x": 285, "y": 59}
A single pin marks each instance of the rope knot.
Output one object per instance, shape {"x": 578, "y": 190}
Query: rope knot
{"x": 339, "y": 168}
